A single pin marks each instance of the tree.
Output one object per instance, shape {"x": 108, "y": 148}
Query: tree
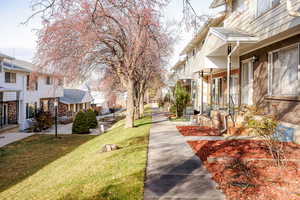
{"x": 182, "y": 98}
{"x": 80, "y": 124}
{"x": 79, "y": 36}
{"x": 91, "y": 118}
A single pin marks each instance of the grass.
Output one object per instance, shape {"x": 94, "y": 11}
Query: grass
{"x": 179, "y": 119}
{"x": 41, "y": 167}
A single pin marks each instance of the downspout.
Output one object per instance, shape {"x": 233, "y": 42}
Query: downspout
{"x": 230, "y": 52}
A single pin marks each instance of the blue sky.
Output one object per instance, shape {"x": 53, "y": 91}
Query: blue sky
{"x": 20, "y": 40}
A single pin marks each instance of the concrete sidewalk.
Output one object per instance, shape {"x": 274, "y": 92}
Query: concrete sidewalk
{"x": 174, "y": 171}
{"x": 7, "y": 138}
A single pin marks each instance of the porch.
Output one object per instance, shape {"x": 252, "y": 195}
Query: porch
{"x": 9, "y": 108}
{"x": 220, "y": 78}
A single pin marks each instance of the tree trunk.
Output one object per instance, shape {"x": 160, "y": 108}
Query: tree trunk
{"x": 130, "y": 105}
{"x": 141, "y": 104}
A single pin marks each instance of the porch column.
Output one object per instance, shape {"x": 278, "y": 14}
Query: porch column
{"x": 211, "y": 90}
{"x": 17, "y": 106}
{"x": 202, "y": 75}
{"x": 228, "y": 77}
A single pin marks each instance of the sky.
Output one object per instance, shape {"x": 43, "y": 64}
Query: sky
{"x": 19, "y": 40}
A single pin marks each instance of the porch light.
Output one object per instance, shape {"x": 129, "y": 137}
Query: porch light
{"x": 255, "y": 59}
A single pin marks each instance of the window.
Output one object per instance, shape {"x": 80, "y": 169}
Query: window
{"x": 60, "y": 82}
{"x": 263, "y": 6}
{"x": 247, "y": 83}
{"x": 31, "y": 110}
{"x": 234, "y": 90}
{"x": 31, "y": 84}
{"x": 239, "y": 5}
{"x": 284, "y": 78}
{"x": 45, "y": 105}
{"x": 48, "y": 80}
{"x": 10, "y": 77}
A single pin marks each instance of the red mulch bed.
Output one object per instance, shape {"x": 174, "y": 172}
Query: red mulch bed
{"x": 198, "y": 131}
{"x": 242, "y": 179}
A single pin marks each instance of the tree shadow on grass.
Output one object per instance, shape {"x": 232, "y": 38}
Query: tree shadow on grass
{"x": 22, "y": 159}
{"x": 152, "y": 122}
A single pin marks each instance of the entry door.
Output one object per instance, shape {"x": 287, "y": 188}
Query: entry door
{"x": 247, "y": 83}
{"x": 217, "y": 92}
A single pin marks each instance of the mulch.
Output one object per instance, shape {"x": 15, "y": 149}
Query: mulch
{"x": 198, "y": 131}
{"x": 242, "y": 179}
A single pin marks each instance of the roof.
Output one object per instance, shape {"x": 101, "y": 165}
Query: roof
{"x": 15, "y": 65}
{"x": 3, "y": 89}
{"x": 202, "y": 33}
{"x": 73, "y": 96}
{"x": 5, "y": 56}
{"x": 217, "y": 3}
{"x": 232, "y": 35}
{"x": 178, "y": 64}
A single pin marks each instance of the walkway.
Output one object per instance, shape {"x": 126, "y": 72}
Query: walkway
{"x": 174, "y": 172}
{"x": 7, "y": 138}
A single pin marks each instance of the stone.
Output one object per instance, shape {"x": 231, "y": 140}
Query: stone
{"x": 109, "y": 147}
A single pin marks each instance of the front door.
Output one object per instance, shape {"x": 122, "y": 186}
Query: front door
{"x": 217, "y": 92}
{"x": 247, "y": 83}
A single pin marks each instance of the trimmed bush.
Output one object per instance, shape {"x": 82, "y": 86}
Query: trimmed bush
{"x": 92, "y": 118}
{"x": 44, "y": 120}
{"x": 80, "y": 125}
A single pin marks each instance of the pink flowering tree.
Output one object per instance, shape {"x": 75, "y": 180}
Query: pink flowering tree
{"x": 79, "y": 36}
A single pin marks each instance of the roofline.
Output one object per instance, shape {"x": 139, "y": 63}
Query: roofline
{"x": 179, "y": 63}
{"x": 233, "y": 39}
{"x": 215, "y": 4}
{"x": 205, "y": 27}
{"x": 3, "y": 56}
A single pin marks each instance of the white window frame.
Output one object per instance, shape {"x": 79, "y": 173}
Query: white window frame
{"x": 270, "y": 7}
{"x": 251, "y": 81}
{"x": 270, "y": 68}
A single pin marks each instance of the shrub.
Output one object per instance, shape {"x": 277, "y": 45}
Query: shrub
{"x": 182, "y": 98}
{"x": 266, "y": 127}
{"x": 92, "y": 118}
{"x": 80, "y": 125}
{"x": 44, "y": 120}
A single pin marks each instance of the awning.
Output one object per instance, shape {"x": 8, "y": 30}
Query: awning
{"x": 3, "y": 89}
{"x": 218, "y": 38}
{"x": 213, "y": 54}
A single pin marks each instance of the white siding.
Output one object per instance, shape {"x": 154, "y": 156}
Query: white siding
{"x": 268, "y": 24}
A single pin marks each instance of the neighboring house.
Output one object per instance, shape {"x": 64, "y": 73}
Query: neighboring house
{"x": 74, "y": 100}
{"x": 22, "y": 97}
{"x": 251, "y": 58}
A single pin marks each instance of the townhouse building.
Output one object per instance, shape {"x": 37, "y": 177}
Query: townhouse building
{"x": 252, "y": 58}
{"x": 20, "y": 96}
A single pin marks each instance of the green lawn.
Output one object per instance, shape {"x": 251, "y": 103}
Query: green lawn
{"x": 41, "y": 167}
